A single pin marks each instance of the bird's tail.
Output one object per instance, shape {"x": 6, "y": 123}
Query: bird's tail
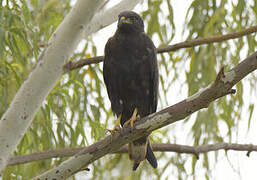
{"x": 150, "y": 156}
{"x": 140, "y": 150}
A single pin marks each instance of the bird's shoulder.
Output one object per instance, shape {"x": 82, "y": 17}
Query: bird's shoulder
{"x": 109, "y": 43}
{"x": 148, "y": 41}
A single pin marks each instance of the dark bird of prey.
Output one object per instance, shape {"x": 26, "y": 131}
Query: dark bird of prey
{"x": 131, "y": 76}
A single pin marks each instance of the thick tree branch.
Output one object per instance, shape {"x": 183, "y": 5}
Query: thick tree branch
{"x": 186, "y": 44}
{"x": 157, "y": 147}
{"x": 220, "y": 87}
{"x": 17, "y": 118}
{"x": 64, "y": 40}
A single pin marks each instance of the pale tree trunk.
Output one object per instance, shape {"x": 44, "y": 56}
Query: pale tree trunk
{"x": 41, "y": 80}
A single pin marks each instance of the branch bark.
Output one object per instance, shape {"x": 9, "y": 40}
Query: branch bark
{"x": 220, "y": 87}
{"x": 41, "y": 80}
{"x": 157, "y": 147}
{"x": 186, "y": 44}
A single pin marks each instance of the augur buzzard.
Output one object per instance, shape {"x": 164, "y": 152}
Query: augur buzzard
{"x": 131, "y": 76}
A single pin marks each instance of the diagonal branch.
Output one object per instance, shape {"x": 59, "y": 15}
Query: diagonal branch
{"x": 219, "y": 88}
{"x": 186, "y": 44}
{"x": 157, "y": 147}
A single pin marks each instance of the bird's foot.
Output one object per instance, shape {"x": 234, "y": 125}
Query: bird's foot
{"x": 133, "y": 118}
{"x": 116, "y": 127}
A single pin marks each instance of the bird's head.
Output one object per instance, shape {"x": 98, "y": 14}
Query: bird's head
{"x": 130, "y": 22}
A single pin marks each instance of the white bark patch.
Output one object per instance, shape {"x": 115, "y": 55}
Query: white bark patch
{"x": 107, "y": 17}
{"x": 196, "y": 95}
{"x": 67, "y": 168}
{"x": 27, "y": 101}
{"x": 229, "y": 77}
{"x": 154, "y": 121}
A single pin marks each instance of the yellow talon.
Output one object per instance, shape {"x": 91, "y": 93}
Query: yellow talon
{"x": 133, "y": 118}
{"x": 116, "y": 127}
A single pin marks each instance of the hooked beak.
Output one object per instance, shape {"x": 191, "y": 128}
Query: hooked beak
{"x": 124, "y": 20}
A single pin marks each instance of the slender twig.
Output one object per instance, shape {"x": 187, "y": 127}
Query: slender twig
{"x": 157, "y": 147}
{"x": 186, "y": 44}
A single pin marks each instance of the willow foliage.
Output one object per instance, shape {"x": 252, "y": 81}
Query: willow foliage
{"x": 76, "y": 112}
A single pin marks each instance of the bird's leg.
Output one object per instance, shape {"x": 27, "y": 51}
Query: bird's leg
{"x": 116, "y": 127}
{"x": 133, "y": 118}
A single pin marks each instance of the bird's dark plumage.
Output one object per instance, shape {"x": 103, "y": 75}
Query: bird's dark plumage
{"x": 131, "y": 76}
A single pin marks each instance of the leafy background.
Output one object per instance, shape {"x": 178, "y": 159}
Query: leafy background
{"x": 77, "y": 111}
